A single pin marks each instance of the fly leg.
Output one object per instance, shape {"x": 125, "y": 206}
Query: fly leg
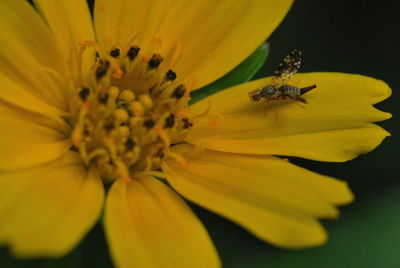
{"x": 276, "y": 105}
{"x": 265, "y": 108}
{"x": 297, "y": 99}
{"x": 300, "y": 99}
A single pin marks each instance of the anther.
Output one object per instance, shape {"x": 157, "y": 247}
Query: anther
{"x": 84, "y": 93}
{"x": 115, "y": 53}
{"x": 169, "y": 121}
{"x": 186, "y": 123}
{"x": 179, "y": 92}
{"x": 108, "y": 126}
{"x": 103, "y": 98}
{"x": 170, "y": 75}
{"x": 159, "y": 153}
{"x": 149, "y": 123}
{"x": 133, "y": 52}
{"x": 155, "y": 61}
{"x": 130, "y": 144}
{"x": 86, "y": 131}
{"x": 102, "y": 69}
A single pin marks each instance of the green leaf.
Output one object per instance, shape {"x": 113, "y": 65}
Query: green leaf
{"x": 241, "y": 74}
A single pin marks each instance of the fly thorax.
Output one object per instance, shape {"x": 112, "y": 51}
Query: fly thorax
{"x": 268, "y": 91}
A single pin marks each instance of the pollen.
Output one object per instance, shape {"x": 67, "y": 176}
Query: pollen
{"x": 128, "y": 113}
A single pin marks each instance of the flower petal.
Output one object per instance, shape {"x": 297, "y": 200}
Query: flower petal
{"x": 71, "y": 24}
{"x": 29, "y": 55}
{"x": 46, "y": 211}
{"x": 16, "y": 94}
{"x": 275, "y": 200}
{"x": 148, "y": 225}
{"x": 28, "y": 139}
{"x": 335, "y": 125}
{"x": 202, "y": 39}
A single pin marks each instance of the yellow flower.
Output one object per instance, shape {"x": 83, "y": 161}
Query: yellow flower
{"x": 84, "y": 106}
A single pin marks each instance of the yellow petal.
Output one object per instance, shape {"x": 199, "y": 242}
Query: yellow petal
{"x": 28, "y": 139}
{"x": 71, "y": 24}
{"x": 119, "y": 23}
{"x": 28, "y": 53}
{"x": 275, "y": 200}
{"x": 207, "y": 38}
{"x": 148, "y": 225}
{"x": 47, "y": 210}
{"x": 16, "y": 94}
{"x": 335, "y": 124}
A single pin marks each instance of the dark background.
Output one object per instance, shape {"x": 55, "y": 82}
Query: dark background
{"x": 344, "y": 36}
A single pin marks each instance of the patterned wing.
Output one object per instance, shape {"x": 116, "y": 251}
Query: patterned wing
{"x": 288, "y": 67}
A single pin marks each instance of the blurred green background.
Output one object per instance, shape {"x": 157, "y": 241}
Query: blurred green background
{"x": 344, "y": 36}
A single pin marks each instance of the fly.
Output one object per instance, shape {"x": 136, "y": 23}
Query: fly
{"x": 278, "y": 89}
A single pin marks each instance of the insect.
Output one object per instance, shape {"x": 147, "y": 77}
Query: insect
{"x": 278, "y": 89}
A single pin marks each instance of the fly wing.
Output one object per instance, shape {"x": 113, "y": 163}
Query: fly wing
{"x": 287, "y": 68}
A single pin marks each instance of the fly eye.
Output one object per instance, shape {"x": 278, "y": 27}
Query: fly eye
{"x": 256, "y": 97}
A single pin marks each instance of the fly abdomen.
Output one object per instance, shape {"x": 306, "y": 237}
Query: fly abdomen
{"x": 290, "y": 90}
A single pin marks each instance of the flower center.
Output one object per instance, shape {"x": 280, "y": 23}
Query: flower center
{"x": 129, "y": 114}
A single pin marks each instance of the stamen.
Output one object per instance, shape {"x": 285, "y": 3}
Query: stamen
{"x": 103, "y": 98}
{"x": 179, "y": 158}
{"x": 149, "y": 123}
{"x": 170, "y": 75}
{"x": 102, "y": 69}
{"x": 84, "y": 93}
{"x": 130, "y": 144}
{"x": 179, "y": 92}
{"x": 155, "y": 61}
{"x": 133, "y": 52}
{"x": 128, "y": 114}
{"x": 169, "y": 121}
{"x": 108, "y": 126}
{"x": 186, "y": 123}
{"x": 115, "y": 53}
